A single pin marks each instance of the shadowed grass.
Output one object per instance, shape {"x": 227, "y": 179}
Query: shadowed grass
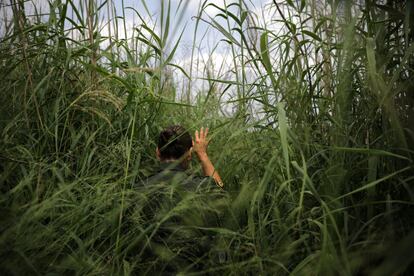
{"x": 316, "y": 157}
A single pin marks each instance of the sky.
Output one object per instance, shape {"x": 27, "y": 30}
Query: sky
{"x": 182, "y": 20}
{"x": 184, "y": 16}
{"x": 210, "y": 51}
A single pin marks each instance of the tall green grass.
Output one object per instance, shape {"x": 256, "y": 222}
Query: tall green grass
{"x": 316, "y": 157}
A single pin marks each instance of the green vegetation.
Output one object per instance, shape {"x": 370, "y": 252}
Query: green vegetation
{"x": 317, "y": 155}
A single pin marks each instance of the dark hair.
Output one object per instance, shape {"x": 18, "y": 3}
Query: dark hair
{"x": 174, "y": 141}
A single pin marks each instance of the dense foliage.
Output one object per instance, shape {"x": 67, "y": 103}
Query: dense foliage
{"x": 316, "y": 155}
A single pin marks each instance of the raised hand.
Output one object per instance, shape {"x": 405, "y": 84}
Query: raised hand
{"x": 200, "y": 148}
{"x": 201, "y": 141}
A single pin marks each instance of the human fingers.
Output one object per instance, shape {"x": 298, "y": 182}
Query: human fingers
{"x": 206, "y": 132}
{"x": 197, "y": 138}
{"x": 202, "y": 133}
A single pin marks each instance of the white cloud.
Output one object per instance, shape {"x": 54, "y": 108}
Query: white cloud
{"x": 193, "y": 6}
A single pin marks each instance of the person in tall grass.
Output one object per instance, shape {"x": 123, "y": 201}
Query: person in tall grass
{"x": 175, "y": 149}
{"x": 181, "y": 203}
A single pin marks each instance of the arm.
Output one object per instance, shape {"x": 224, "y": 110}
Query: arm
{"x": 200, "y": 148}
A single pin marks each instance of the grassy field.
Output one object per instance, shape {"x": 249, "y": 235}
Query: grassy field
{"x": 316, "y": 153}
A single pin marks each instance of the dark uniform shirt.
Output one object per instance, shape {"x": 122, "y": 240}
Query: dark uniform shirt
{"x": 175, "y": 174}
{"x": 172, "y": 191}
{"x": 182, "y": 205}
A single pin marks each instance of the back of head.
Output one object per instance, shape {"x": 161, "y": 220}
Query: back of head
{"x": 173, "y": 142}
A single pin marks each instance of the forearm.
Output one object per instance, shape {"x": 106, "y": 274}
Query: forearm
{"x": 209, "y": 170}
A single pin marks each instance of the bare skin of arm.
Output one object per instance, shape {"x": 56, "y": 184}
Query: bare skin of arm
{"x": 200, "y": 148}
